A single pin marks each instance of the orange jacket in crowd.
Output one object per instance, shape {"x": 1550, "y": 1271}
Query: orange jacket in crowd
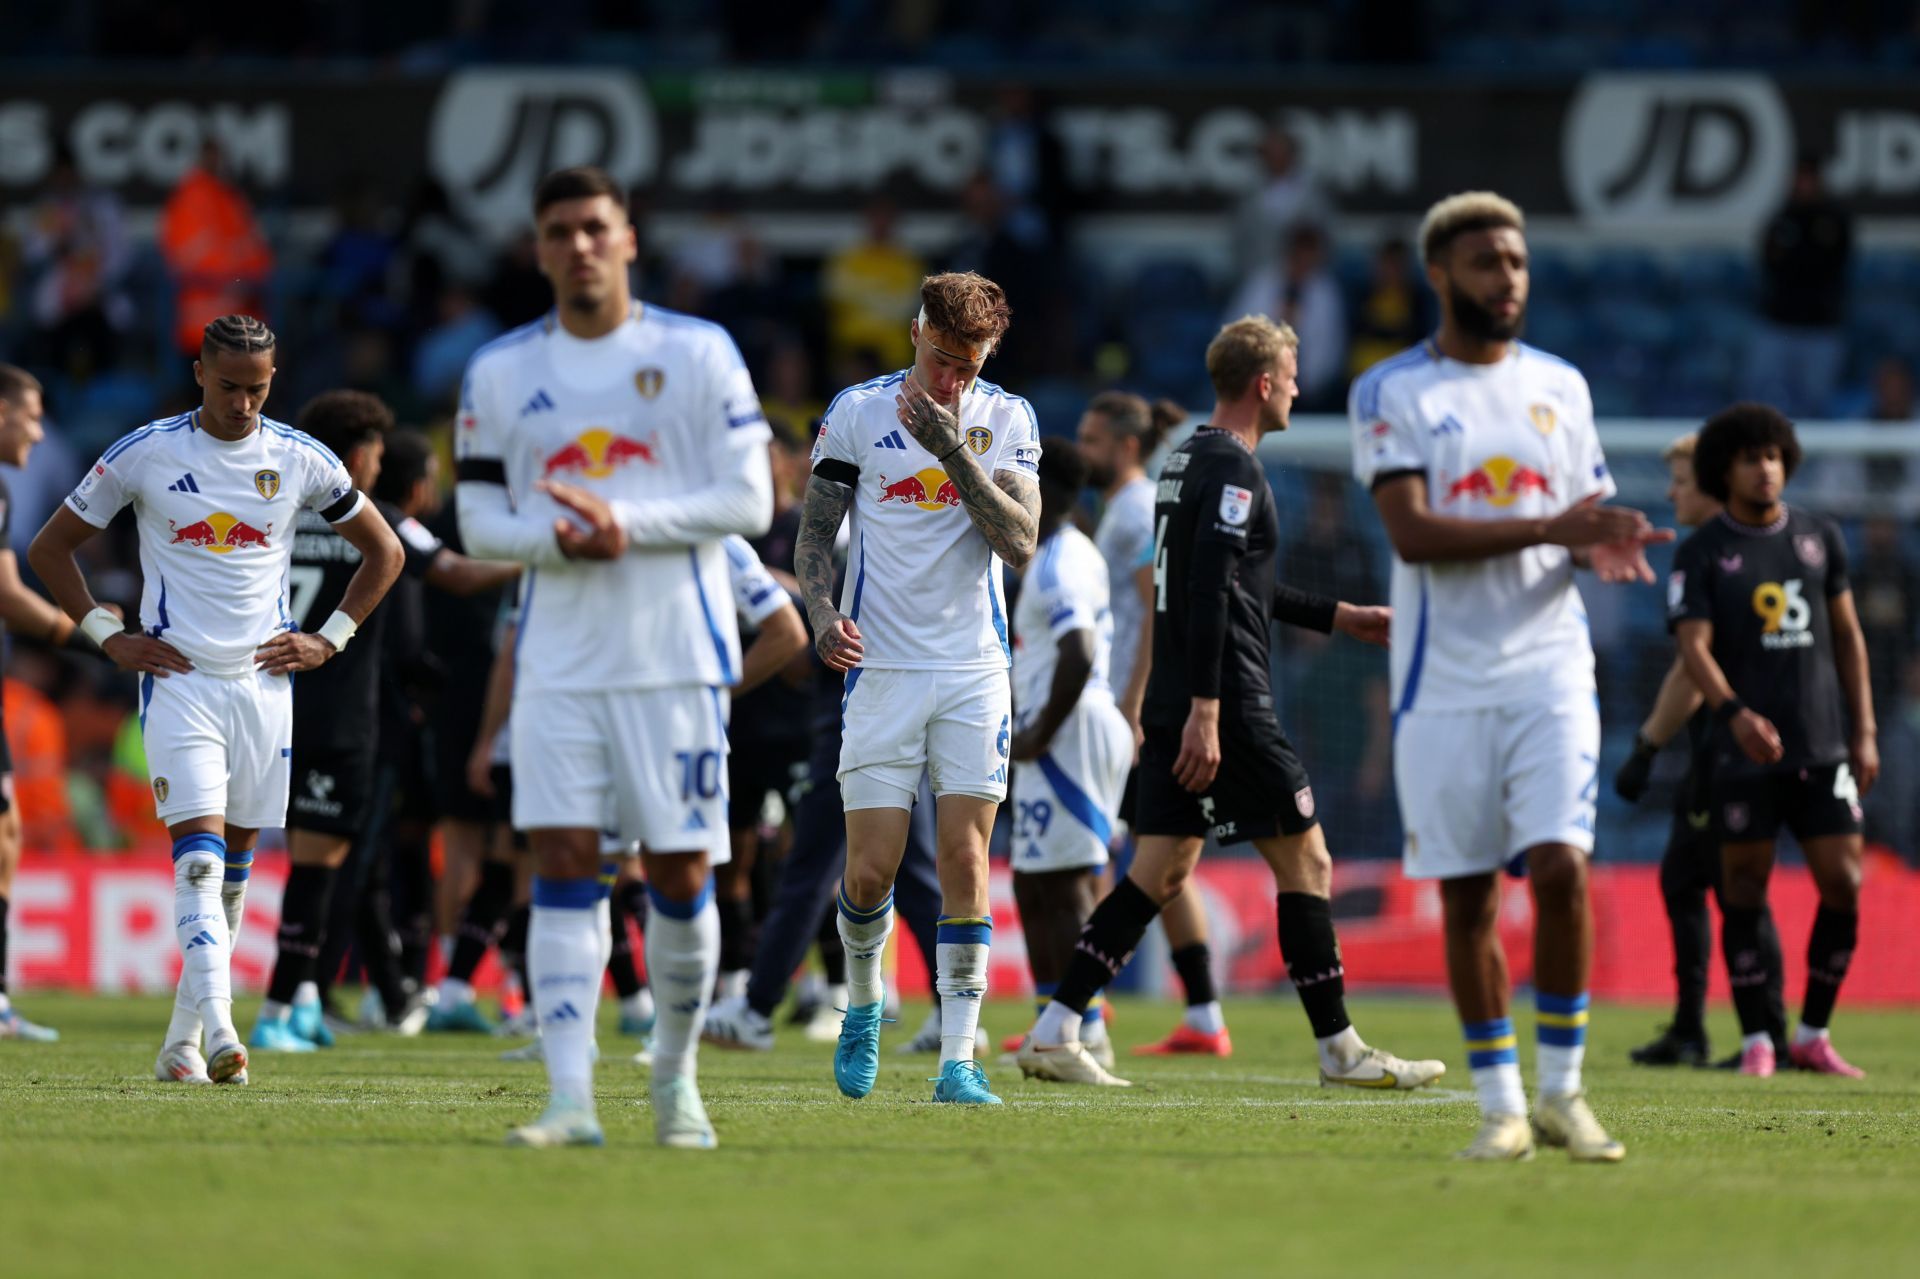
{"x": 37, "y": 737}
{"x": 216, "y": 253}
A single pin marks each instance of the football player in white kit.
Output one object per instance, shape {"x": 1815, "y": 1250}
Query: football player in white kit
{"x": 939, "y": 469}
{"x": 215, "y": 493}
{"x": 1481, "y": 454}
{"x": 1118, "y": 433}
{"x": 1072, "y": 747}
{"x": 611, "y": 447}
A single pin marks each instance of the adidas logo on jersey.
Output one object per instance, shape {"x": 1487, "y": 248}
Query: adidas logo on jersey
{"x": 202, "y": 938}
{"x": 184, "y": 484}
{"x": 540, "y": 402}
{"x": 891, "y": 440}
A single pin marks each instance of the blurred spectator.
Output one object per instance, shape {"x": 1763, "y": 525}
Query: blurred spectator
{"x": 1882, "y": 484}
{"x": 705, "y": 260}
{"x": 1014, "y": 257}
{"x": 1886, "y": 590}
{"x": 1893, "y": 806}
{"x": 516, "y": 293}
{"x": 442, "y": 247}
{"x": 215, "y": 250}
{"x": 1300, "y": 290}
{"x": 440, "y": 358}
{"x": 77, "y": 247}
{"x": 1286, "y": 197}
{"x": 1393, "y": 313}
{"x": 786, "y": 386}
{"x": 356, "y": 260}
{"x": 37, "y": 736}
{"x": 1025, "y": 160}
{"x": 1798, "y": 352}
{"x": 872, "y": 289}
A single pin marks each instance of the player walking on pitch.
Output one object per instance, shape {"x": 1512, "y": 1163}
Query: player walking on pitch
{"x": 1760, "y": 601}
{"x": 939, "y": 469}
{"x": 1482, "y": 458}
{"x": 1215, "y": 758}
{"x": 216, "y": 494}
{"x": 611, "y": 447}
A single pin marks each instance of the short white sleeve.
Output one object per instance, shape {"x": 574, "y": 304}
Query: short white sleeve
{"x": 327, "y": 482}
{"x": 836, "y": 441}
{"x": 1385, "y": 439}
{"x": 1021, "y": 451}
{"x": 756, "y": 595}
{"x": 100, "y": 495}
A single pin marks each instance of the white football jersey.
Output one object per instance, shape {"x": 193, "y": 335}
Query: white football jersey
{"x": 1065, "y": 590}
{"x": 216, "y": 525}
{"x": 1513, "y": 440}
{"x": 647, "y": 417}
{"x": 1125, "y": 540}
{"x": 757, "y": 595}
{"x": 922, "y": 583}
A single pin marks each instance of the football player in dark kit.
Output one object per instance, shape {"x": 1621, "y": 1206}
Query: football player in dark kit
{"x": 1690, "y": 866}
{"x": 1760, "y": 601}
{"x": 1214, "y": 758}
{"x": 335, "y": 718}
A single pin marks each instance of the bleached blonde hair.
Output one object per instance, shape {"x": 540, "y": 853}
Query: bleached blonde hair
{"x": 1462, "y": 212}
{"x": 1682, "y": 447}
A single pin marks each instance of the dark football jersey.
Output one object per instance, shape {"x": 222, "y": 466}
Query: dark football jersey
{"x": 1766, "y": 591}
{"x": 335, "y": 706}
{"x": 1213, "y": 501}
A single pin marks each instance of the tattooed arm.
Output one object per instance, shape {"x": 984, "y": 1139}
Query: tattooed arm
{"x": 1005, "y": 508}
{"x": 835, "y": 636}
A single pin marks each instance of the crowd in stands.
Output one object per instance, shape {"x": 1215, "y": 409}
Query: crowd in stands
{"x": 401, "y": 290}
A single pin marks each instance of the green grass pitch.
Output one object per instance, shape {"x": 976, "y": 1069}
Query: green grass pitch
{"x": 384, "y": 1157}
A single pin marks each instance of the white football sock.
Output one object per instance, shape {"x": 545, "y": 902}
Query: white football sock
{"x": 233, "y": 904}
{"x": 1805, "y": 1034}
{"x": 453, "y": 991}
{"x": 863, "y": 933}
{"x": 639, "y": 1004}
{"x": 563, "y": 959}
{"x": 1206, "y": 1019}
{"x": 603, "y": 920}
{"x": 1500, "y": 1089}
{"x": 273, "y": 1010}
{"x": 1557, "y": 1069}
{"x": 1756, "y": 1038}
{"x": 307, "y": 992}
{"x": 683, "y": 954}
{"x": 1338, "y": 1051}
{"x": 184, "y": 1026}
{"x": 732, "y": 984}
{"x": 200, "y": 928}
{"x": 1093, "y": 1028}
{"x": 1058, "y": 1024}
{"x": 960, "y": 959}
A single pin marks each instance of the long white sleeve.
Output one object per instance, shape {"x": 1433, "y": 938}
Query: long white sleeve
{"x": 492, "y": 529}
{"x": 739, "y": 501}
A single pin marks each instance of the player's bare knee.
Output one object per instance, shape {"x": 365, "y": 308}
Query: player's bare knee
{"x": 1559, "y": 878}
{"x": 677, "y": 877}
{"x": 866, "y": 885}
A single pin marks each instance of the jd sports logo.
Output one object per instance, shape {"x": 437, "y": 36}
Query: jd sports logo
{"x": 497, "y": 132}
{"x": 1677, "y": 150}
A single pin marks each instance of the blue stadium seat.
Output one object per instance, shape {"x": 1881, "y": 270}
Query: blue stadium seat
{"x": 1170, "y": 284}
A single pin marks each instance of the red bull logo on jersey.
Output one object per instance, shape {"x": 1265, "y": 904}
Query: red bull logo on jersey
{"x": 219, "y": 533}
{"x": 930, "y": 490}
{"x": 1499, "y": 481}
{"x": 598, "y": 453}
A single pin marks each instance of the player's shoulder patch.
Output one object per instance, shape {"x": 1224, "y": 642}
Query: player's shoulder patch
{"x": 1236, "y": 504}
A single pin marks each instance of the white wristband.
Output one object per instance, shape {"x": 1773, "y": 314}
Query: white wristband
{"x": 101, "y": 626}
{"x": 338, "y": 630}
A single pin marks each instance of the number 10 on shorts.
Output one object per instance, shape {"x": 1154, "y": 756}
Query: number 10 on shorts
{"x": 699, "y": 774}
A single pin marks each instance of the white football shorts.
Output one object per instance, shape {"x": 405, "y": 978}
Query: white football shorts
{"x": 219, "y": 746}
{"x": 1067, "y": 803}
{"x": 957, "y": 725}
{"x": 644, "y": 764}
{"x": 1478, "y": 788}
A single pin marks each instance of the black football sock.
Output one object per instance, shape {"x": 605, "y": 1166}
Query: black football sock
{"x": 833, "y": 955}
{"x": 631, "y": 895}
{"x": 1194, "y": 963}
{"x": 1686, "y": 904}
{"x": 736, "y": 934}
{"x": 303, "y": 923}
{"x": 482, "y": 921}
{"x": 1106, "y": 944}
{"x": 620, "y": 965}
{"x": 1752, "y": 949}
{"x": 4, "y": 908}
{"x": 513, "y": 947}
{"x": 1829, "y": 954}
{"x": 1312, "y": 954}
